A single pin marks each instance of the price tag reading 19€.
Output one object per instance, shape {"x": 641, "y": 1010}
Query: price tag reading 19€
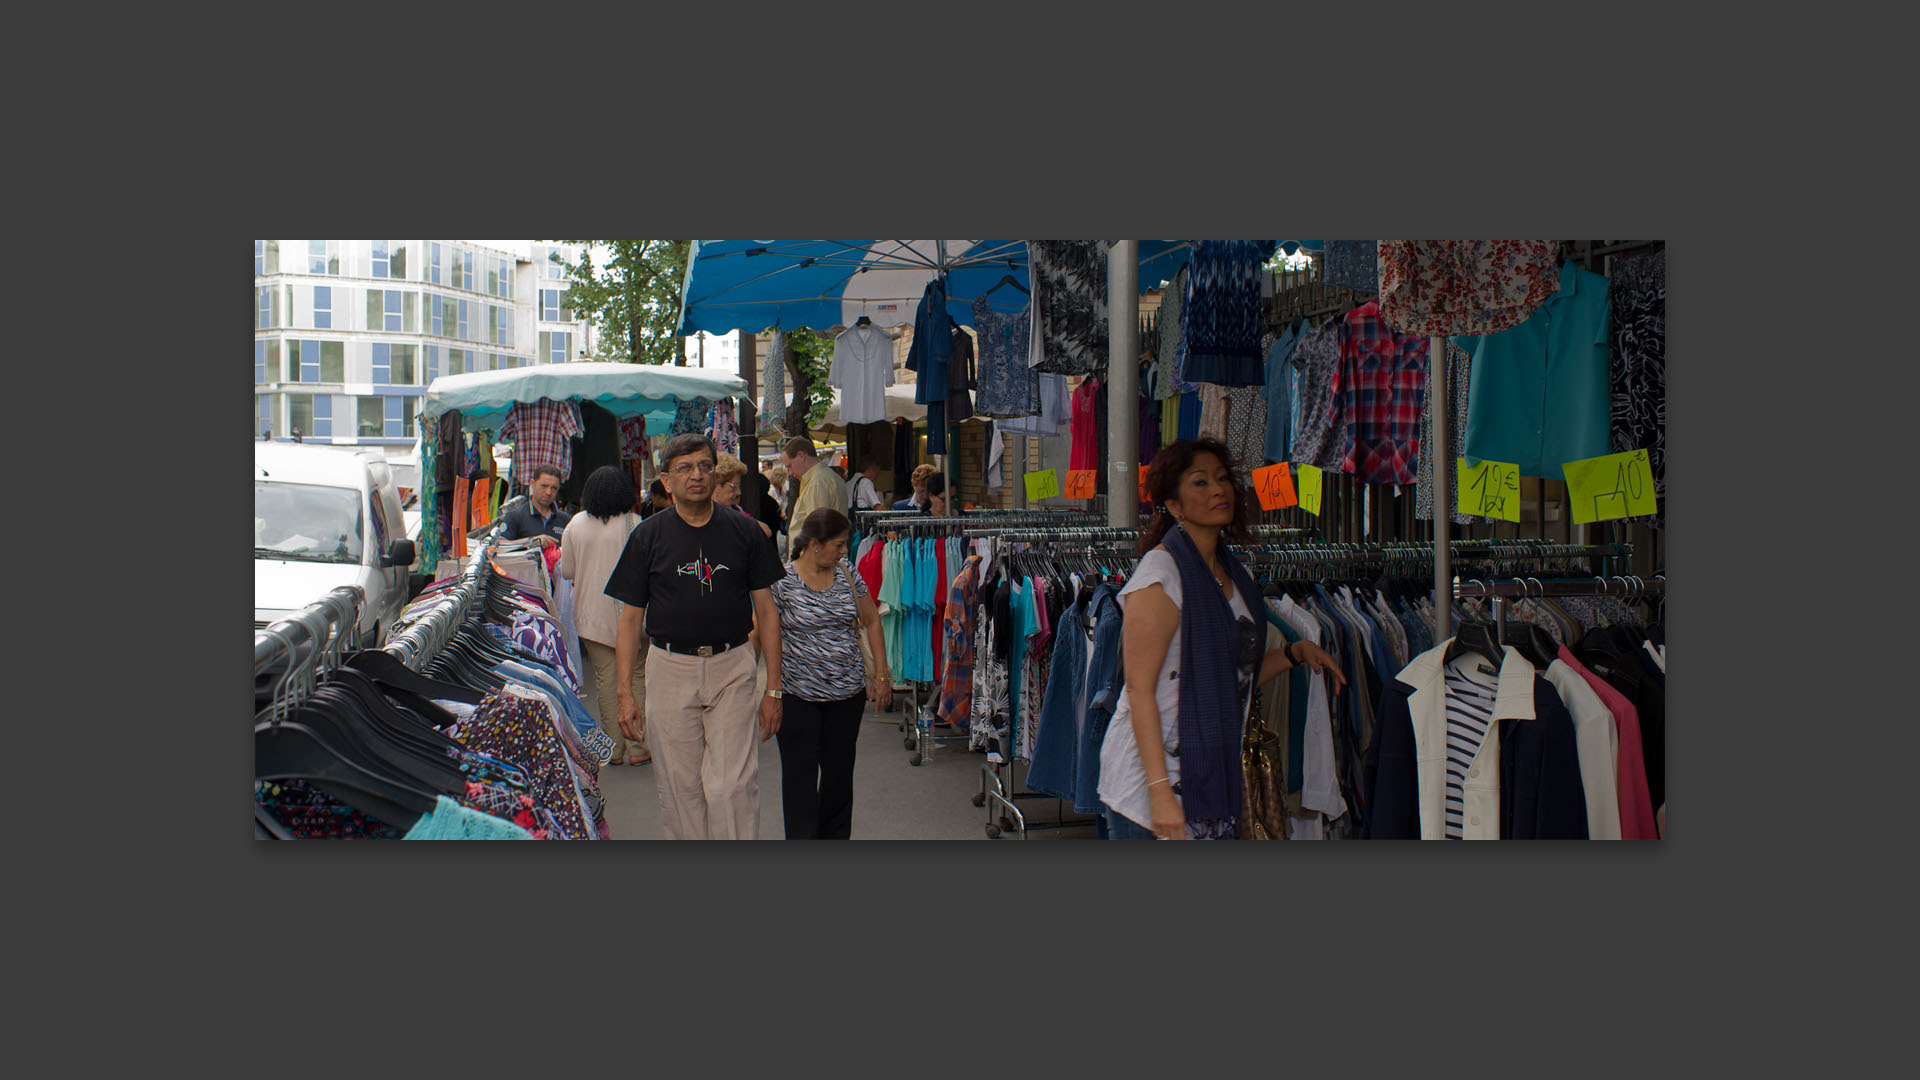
{"x": 1309, "y": 489}
{"x": 1080, "y": 484}
{"x": 1610, "y": 486}
{"x": 1044, "y": 484}
{"x": 1490, "y": 489}
{"x": 1274, "y": 484}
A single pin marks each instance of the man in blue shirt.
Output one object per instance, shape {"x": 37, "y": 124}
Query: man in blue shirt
{"x": 920, "y": 497}
{"x": 540, "y": 517}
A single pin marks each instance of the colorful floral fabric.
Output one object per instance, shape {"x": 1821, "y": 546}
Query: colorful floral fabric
{"x": 1466, "y": 287}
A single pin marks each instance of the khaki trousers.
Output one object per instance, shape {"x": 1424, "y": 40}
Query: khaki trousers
{"x": 703, "y": 725}
{"x": 606, "y": 703}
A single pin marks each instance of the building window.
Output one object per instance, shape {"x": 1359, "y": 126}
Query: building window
{"x": 380, "y": 258}
{"x": 550, "y": 308}
{"x": 399, "y": 417}
{"x": 456, "y": 362}
{"x": 273, "y": 361}
{"x": 506, "y": 278}
{"x": 463, "y": 271}
{"x": 555, "y": 347}
{"x": 437, "y": 315}
{"x": 333, "y": 361}
{"x": 266, "y": 415}
{"x": 259, "y": 362}
{"x": 323, "y": 415}
{"x": 403, "y": 360}
{"x": 323, "y": 307}
{"x": 263, "y": 299}
{"x": 397, "y": 255}
{"x": 309, "y": 361}
{"x": 395, "y": 316}
{"x": 433, "y": 263}
{"x": 463, "y": 322}
{"x": 323, "y": 257}
{"x": 433, "y": 362}
{"x": 556, "y": 265}
{"x": 382, "y": 363}
{"x": 266, "y": 257}
{"x": 300, "y": 413}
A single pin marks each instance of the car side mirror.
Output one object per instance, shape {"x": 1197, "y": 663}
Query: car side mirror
{"x": 400, "y": 553}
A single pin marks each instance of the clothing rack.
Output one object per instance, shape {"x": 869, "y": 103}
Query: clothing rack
{"x": 1501, "y": 591}
{"x": 311, "y": 641}
{"x": 421, "y": 641}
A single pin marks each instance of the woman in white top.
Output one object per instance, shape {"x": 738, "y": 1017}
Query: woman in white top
{"x": 589, "y": 548}
{"x": 1215, "y": 637}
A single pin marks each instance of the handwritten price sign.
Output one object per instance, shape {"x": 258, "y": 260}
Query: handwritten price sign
{"x": 1080, "y": 484}
{"x": 1610, "y": 486}
{"x": 1043, "y": 485}
{"x": 1309, "y": 490}
{"x": 1274, "y": 484}
{"x": 1143, "y": 483}
{"x": 1490, "y": 489}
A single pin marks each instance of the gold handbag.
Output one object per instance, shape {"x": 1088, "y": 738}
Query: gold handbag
{"x": 1263, "y": 812}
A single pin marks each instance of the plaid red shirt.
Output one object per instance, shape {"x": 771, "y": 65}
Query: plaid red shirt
{"x": 1378, "y": 385}
{"x": 539, "y": 433}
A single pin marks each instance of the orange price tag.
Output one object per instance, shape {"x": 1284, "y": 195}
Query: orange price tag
{"x": 1143, "y": 483}
{"x": 1080, "y": 484}
{"x": 1275, "y": 487}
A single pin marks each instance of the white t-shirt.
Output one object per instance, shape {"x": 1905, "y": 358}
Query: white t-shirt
{"x": 865, "y": 495}
{"x": 1123, "y": 779}
{"x": 862, "y": 367}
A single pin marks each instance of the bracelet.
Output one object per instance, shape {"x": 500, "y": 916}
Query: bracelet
{"x": 1162, "y": 780}
{"x": 1292, "y": 659}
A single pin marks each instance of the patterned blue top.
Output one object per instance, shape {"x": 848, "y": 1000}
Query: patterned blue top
{"x": 1006, "y": 385}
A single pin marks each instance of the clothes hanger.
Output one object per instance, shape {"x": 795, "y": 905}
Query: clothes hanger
{"x": 387, "y": 670}
{"x": 1007, "y": 280}
{"x": 290, "y": 750}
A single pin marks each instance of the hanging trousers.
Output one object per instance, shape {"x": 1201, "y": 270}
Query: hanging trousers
{"x": 703, "y": 727}
{"x": 816, "y": 766}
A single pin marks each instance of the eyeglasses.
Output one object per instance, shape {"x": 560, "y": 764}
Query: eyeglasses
{"x": 687, "y": 468}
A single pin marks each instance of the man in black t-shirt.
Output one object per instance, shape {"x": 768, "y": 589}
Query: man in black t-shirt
{"x": 696, "y": 577}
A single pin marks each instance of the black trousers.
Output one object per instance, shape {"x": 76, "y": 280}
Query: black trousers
{"x": 816, "y": 766}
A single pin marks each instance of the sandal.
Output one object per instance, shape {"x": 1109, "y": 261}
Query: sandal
{"x": 648, "y": 760}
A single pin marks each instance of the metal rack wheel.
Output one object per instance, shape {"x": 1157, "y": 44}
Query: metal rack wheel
{"x": 909, "y": 741}
{"x": 980, "y": 798}
{"x": 1006, "y": 823}
{"x": 914, "y": 760}
{"x": 993, "y": 831}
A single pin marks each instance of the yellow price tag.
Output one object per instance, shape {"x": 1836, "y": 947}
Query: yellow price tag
{"x": 1044, "y": 484}
{"x": 1610, "y": 486}
{"x": 1307, "y": 488}
{"x": 1490, "y": 489}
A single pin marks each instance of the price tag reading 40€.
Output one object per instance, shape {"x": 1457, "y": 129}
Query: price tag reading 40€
{"x": 1610, "y": 486}
{"x": 1274, "y": 484}
{"x": 1490, "y": 489}
{"x": 1044, "y": 484}
{"x": 1309, "y": 489}
{"x": 1080, "y": 484}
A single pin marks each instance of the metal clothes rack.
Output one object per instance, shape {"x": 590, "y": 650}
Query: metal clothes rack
{"x": 421, "y": 640}
{"x": 311, "y": 642}
{"x": 1501, "y": 591}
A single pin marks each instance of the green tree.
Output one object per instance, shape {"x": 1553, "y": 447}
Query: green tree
{"x": 808, "y": 356}
{"x": 637, "y": 290}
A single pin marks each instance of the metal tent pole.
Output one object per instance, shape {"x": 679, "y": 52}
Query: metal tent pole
{"x": 1444, "y": 487}
{"x": 1123, "y": 381}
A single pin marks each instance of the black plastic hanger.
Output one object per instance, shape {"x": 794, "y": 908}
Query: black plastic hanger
{"x": 863, "y": 321}
{"x": 1533, "y": 642}
{"x": 292, "y": 751}
{"x": 1475, "y": 637}
{"x": 1004, "y": 281}
{"x": 387, "y": 670}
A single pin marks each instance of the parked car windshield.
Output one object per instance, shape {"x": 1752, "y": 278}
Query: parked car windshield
{"x": 306, "y": 522}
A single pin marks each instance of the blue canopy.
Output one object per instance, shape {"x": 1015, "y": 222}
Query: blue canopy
{"x": 754, "y": 285}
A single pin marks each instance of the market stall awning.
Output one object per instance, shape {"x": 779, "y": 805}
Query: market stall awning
{"x": 754, "y": 285}
{"x": 622, "y": 389}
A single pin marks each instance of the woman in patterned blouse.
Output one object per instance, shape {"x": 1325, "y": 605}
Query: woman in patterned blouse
{"x": 823, "y": 606}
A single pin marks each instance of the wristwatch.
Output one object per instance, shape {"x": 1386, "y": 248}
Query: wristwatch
{"x": 774, "y": 694}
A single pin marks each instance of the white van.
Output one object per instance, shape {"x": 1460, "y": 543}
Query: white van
{"x": 324, "y": 517}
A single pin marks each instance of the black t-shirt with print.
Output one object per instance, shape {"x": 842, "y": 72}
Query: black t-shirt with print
{"x": 696, "y": 584}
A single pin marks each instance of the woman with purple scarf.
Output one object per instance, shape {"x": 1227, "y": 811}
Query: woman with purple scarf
{"x": 1170, "y": 765}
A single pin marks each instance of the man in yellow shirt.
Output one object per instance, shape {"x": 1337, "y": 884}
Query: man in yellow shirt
{"x": 819, "y": 485}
